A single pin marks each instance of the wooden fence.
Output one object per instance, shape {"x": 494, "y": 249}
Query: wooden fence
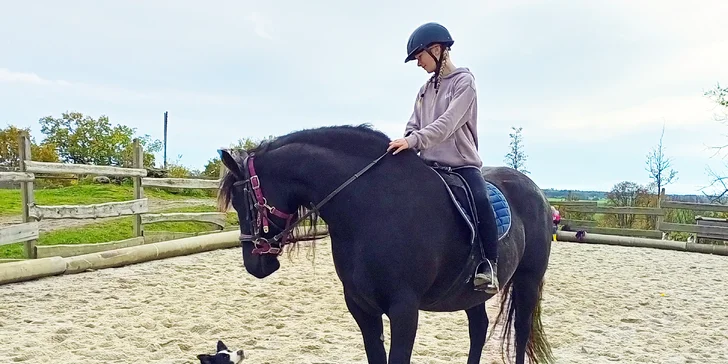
{"x": 28, "y": 230}
{"x": 704, "y": 228}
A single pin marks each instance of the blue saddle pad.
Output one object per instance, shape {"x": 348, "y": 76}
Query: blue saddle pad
{"x": 501, "y": 209}
{"x": 463, "y": 200}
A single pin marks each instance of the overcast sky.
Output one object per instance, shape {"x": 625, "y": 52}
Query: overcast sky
{"x": 591, "y": 83}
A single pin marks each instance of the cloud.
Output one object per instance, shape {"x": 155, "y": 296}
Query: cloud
{"x": 260, "y": 24}
{"x": 28, "y": 78}
{"x": 118, "y": 94}
{"x": 673, "y": 111}
{"x": 692, "y": 150}
{"x": 598, "y": 70}
{"x": 579, "y": 78}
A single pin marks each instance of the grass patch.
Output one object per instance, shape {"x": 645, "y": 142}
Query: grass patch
{"x": 10, "y": 200}
{"x": 114, "y": 230}
{"x": 12, "y": 251}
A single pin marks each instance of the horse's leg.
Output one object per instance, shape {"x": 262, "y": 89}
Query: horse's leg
{"x": 526, "y": 295}
{"x": 372, "y": 332}
{"x": 478, "y": 327}
{"x": 403, "y": 317}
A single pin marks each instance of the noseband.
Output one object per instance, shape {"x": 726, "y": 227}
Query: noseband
{"x": 259, "y": 211}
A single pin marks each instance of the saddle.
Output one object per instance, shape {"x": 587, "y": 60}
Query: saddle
{"x": 462, "y": 197}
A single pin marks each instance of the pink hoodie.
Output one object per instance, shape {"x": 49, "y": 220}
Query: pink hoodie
{"x": 556, "y": 215}
{"x": 443, "y": 127}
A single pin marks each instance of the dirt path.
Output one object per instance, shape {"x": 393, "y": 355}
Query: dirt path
{"x": 155, "y": 205}
{"x": 602, "y": 304}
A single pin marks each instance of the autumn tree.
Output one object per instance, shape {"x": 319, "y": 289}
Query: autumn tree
{"x": 658, "y": 166}
{"x": 516, "y": 158}
{"x": 628, "y": 194}
{"x": 82, "y": 139}
{"x": 9, "y": 148}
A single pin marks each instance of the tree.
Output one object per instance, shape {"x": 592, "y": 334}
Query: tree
{"x": 516, "y": 159}
{"x": 212, "y": 168}
{"x": 84, "y": 140}
{"x": 658, "y": 166}
{"x": 9, "y": 148}
{"x": 627, "y": 194}
{"x": 719, "y": 95}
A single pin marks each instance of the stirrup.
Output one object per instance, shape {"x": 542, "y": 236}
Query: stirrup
{"x": 482, "y": 283}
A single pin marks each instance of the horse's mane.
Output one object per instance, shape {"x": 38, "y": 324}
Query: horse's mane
{"x": 360, "y": 140}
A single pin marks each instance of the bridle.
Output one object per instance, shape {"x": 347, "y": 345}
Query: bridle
{"x": 258, "y": 211}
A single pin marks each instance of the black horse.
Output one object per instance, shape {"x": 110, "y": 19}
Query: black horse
{"x": 399, "y": 241}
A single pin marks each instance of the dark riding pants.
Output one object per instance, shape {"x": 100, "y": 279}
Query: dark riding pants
{"x": 486, "y": 218}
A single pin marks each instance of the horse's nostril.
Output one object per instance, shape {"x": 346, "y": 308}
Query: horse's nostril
{"x": 240, "y": 353}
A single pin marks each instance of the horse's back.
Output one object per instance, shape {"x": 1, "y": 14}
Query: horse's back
{"x": 530, "y": 216}
{"x": 518, "y": 188}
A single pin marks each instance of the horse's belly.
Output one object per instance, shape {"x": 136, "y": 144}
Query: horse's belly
{"x": 460, "y": 301}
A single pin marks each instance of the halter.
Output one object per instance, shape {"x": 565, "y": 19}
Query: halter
{"x": 258, "y": 209}
{"x": 261, "y": 210}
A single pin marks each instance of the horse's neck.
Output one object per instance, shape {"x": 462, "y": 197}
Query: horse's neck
{"x": 313, "y": 173}
{"x": 322, "y": 174}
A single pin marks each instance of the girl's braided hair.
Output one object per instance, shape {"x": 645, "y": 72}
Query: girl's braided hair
{"x": 444, "y": 54}
{"x": 437, "y": 76}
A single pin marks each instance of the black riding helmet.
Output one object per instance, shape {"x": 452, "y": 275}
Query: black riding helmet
{"x": 426, "y": 35}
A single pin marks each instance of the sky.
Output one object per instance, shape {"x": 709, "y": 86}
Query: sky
{"x": 591, "y": 83}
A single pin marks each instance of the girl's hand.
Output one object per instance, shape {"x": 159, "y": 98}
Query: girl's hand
{"x": 398, "y": 144}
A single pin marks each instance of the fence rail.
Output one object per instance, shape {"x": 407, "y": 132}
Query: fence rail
{"x": 16, "y": 177}
{"x": 93, "y": 211}
{"x": 181, "y": 183}
{"x": 619, "y": 210}
{"x": 19, "y": 233}
{"x": 217, "y": 218}
{"x": 64, "y": 168}
{"x": 705, "y": 227}
{"x": 28, "y": 230}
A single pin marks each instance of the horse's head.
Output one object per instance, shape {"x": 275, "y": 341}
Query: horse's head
{"x": 278, "y": 184}
{"x": 265, "y": 223}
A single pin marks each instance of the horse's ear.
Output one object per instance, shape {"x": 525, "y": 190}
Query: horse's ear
{"x": 230, "y": 163}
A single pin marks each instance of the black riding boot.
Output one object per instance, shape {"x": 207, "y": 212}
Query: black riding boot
{"x": 486, "y": 277}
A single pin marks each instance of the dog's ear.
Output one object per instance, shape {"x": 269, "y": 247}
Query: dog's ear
{"x": 221, "y": 346}
{"x": 205, "y": 358}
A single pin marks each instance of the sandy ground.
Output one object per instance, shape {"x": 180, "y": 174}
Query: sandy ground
{"x": 603, "y": 304}
{"x": 155, "y": 205}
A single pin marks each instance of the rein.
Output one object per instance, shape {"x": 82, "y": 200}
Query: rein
{"x": 263, "y": 245}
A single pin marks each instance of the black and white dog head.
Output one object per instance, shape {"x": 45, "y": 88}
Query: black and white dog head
{"x": 223, "y": 356}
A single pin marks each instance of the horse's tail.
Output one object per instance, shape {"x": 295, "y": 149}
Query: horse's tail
{"x": 538, "y": 350}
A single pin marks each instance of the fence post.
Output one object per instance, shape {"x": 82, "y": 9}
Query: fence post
{"x": 26, "y": 190}
{"x": 138, "y": 162}
{"x": 660, "y": 218}
{"x": 223, "y": 170}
